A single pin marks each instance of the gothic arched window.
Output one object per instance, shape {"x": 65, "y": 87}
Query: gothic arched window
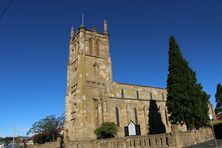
{"x": 151, "y": 96}
{"x": 137, "y": 95}
{"x": 117, "y": 117}
{"x": 136, "y": 118}
{"x": 97, "y": 48}
{"x": 166, "y": 116}
{"x": 122, "y": 93}
{"x": 90, "y": 46}
{"x": 96, "y": 68}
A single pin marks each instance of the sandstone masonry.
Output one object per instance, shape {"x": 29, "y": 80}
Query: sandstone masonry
{"x": 93, "y": 98}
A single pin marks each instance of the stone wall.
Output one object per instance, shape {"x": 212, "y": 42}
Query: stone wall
{"x": 175, "y": 139}
{"x": 138, "y": 92}
{"x": 160, "y": 140}
{"x": 182, "y": 139}
{"x": 198, "y": 136}
{"x": 134, "y": 103}
{"x": 56, "y": 144}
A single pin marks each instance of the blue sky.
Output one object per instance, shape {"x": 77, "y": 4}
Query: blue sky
{"x": 34, "y": 40}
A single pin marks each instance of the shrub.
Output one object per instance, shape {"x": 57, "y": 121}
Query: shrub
{"x": 106, "y": 130}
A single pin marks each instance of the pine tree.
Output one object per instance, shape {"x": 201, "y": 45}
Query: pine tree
{"x": 218, "y": 97}
{"x": 186, "y": 102}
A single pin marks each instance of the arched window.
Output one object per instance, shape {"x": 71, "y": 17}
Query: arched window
{"x": 137, "y": 95}
{"x": 96, "y": 68}
{"x": 96, "y": 113}
{"x": 151, "y": 96}
{"x": 97, "y": 48}
{"x": 136, "y": 118}
{"x": 117, "y": 117}
{"x": 122, "y": 93}
{"x": 166, "y": 116}
{"x": 90, "y": 46}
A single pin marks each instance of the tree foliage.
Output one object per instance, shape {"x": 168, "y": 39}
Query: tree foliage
{"x": 218, "y": 98}
{"x": 45, "y": 130}
{"x": 49, "y": 123}
{"x": 6, "y": 140}
{"x": 186, "y": 101}
{"x": 43, "y": 137}
{"x": 106, "y": 130}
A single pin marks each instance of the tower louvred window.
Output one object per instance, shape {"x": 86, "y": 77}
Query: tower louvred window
{"x": 97, "y": 48}
{"x": 117, "y": 117}
{"x": 90, "y": 46}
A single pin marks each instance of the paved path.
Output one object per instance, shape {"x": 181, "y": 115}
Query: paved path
{"x": 209, "y": 144}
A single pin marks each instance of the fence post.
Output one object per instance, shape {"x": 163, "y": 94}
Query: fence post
{"x": 176, "y": 136}
{"x": 58, "y": 142}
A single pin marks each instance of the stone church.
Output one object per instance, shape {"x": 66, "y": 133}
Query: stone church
{"x": 93, "y": 98}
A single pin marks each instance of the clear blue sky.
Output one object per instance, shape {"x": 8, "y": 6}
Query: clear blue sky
{"x": 34, "y": 39}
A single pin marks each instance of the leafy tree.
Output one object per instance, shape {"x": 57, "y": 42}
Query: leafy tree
{"x": 44, "y": 137}
{"x": 218, "y": 97}
{"x": 106, "y": 130}
{"x": 45, "y": 130}
{"x": 186, "y": 101}
{"x": 200, "y": 107}
{"x": 7, "y": 140}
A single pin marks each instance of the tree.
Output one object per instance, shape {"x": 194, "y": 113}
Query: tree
{"x": 186, "y": 101}
{"x": 44, "y": 137}
{"x": 106, "y": 130}
{"x": 45, "y": 130}
{"x": 218, "y": 98}
{"x": 6, "y": 140}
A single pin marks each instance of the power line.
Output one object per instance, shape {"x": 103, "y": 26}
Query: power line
{"x": 6, "y": 9}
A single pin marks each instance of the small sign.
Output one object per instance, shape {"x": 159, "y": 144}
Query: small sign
{"x": 132, "y": 129}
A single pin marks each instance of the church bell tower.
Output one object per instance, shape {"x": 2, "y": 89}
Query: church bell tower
{"x": 89, "y": 77}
